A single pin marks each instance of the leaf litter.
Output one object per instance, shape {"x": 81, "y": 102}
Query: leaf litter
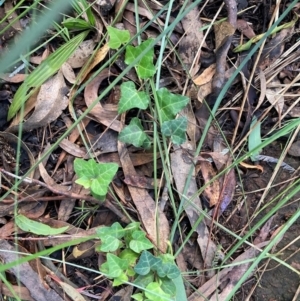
{"x": 197, "y": 188}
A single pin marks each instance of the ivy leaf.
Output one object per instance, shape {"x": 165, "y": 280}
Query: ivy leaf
{"x": 170, "y": 104}
{"x": 96, "y": 176}
{"x": 146, "y": 262}
{"x": 130, "y": 256}
{"x": 114, "y": 267}
{"x": 131, "y": 98}
{"x": 38, "y": 228}
{"x": 117, "y": 37}
{"x": 175, "y": 129}
{"x": 110, "y": 237}
{"x": 139, "y": 242}
{"x": 144, "y": 280}
{"x": 155, "y": 293}
{"x": 169, "y": 270}
{"x": 168, "y": 286}
{"x": 138, "y": 297}
{"x": 145, "y": 67}
{"x": 134, "y": 134}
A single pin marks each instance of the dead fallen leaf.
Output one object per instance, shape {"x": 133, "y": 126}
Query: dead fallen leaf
{"x": 180, "y": 169}
{"x": 295, "y": 149}
{"x": 222, "y": 31}
{"x": 153, "y": 219}
{"x": 81, "y": 54}
{"x": 246, "y": 165}
{"x": 68, "y": 73}
{"x": 18, "y": 78}
{"x": 206, "y": 76}
{"x": 274, "y": 97}
{"x": 244, "y": 27}
{"x": 51, "y": 101}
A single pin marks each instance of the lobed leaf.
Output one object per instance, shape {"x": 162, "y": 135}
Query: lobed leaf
{"x": 131, "y": 98}
{"x": 117, "y": 37}
{"x": 175, "y": 129}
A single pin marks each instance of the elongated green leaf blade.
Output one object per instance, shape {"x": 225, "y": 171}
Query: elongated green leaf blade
{"x": 38, "y": 228}
{"x": 254, "y": 139}
{"x": 46, "y": 69}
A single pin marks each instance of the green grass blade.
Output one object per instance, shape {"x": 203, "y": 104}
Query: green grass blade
{"x": 46, "y": 69}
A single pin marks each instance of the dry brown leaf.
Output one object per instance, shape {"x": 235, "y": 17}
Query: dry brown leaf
{"x": 51, "y": 101}
{"x": 274, "y": 97}
{"x": 212, "y": 191}
{"x": 71, "y": 292}
{"x": 222, "y": 31}
{"x": 259, "y": 167}
{"x": 18, "y": 78}
{"x": 97, "y": 58}
{"x": 191, "y": 42}
{"x": 105, "y": 114}
{"x": 295, "y": 149}
{"x": 206, "y": 76}
{"x": 68, "y": 73}
{"x": 142, "y": 182}
{"x": 180, "y": 169}
{"x": 244, "y": 27}
{"x": 153, "y": 219}
{"x": 81, "y": 54}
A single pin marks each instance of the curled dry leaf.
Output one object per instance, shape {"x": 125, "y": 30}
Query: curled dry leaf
{"x": 244, "y": 27}
{"x": 249, "y": 166}
{"x": 18, "y": 78}
{"x": 222, "y": 31}
{"x": 50, "y": 103}
{"x": 105, "y": 114}
{"x": 206, "y": 76}
{"x": 275, "y": 97}
{"x": 81, "y": 54}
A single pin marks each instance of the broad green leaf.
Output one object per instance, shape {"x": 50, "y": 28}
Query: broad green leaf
{"x": 170, "y": 104}
{"x": 46, "y": 69}
{"x": 139, "y": 242}
{"x": 110, "y": 237}
{"x": 131, "y": 98}
{"x": 144, "y": 280}
{"x": 120, "y": 280}
{"x": 134, "y": 134}
{"x": 117, "y": 37}
{"x": 145, "y": 67}
{"x": 138, "y": 297}
{"x": 155, "y": 293}
{"x": 130, "y": 228}
{"x": 38, "y": 228}
{"x": 95, "y": 175}
{"x": 168, "y": 286}
{"x": 130, "y": 256}
{"x": 254, "y": 138}
{"x": 114, "y": 267}
{"x": 175, "y": 129}
{"x": 169, "y": 270}
{"x": 180, "y": 289}
{"x": 146, "y": 263}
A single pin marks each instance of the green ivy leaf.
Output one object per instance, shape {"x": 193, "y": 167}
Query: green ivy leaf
{"x": 110, "y": 237}
{"x": 139, "y": 242}
{"x": 120, "y": 280}
{"x": 169, "y": 270}
{"x": 175, "y": 129}
{"x": 168, "y": 286}
{"x": 31, "y": 226}
{"x": 117, "y": 37}
{"x": 146, "y": 263}
{"x": 96, "y": 176}
{"x": 138, "y": 297}
{"x": 155, "y": 293}
{"x": 134, "y": 134}
{"x": 130, "y": 256}
{"x": 145, "y": 67}
{"x": 144, "y": 280}
{"x": 170, "y": 104}
{"x": 131, "y": 98}
{"x": 114, "y": 267}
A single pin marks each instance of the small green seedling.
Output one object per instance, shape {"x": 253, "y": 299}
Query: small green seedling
{"x": 127, "y": 259}
{"x": 95, "y": 176}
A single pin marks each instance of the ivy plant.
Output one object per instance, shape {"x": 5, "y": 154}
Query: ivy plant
{"x": 127, "y": 259}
